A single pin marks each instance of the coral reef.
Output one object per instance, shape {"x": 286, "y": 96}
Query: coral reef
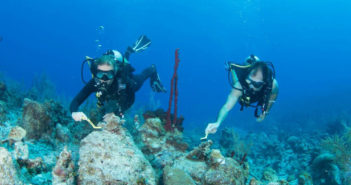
{"x": 45, "y": 146}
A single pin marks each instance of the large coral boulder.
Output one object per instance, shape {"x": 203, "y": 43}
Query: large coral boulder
{"x": 36, "y": 120}
{"x": 8, "y": 174}
{"x": 175, "y": 176}
{"x": 110, "y": 156}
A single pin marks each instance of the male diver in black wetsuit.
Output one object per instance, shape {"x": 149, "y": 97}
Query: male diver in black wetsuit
{"x": 113, "y": 81}
{"x": 252, "y": 83}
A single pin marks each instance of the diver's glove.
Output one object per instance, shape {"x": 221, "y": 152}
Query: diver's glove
{"x": 262, "y": 116}
{"x": 156, "y": 84}
{"x": 78, "y": 116}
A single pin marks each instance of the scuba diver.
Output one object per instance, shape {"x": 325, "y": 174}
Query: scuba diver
{"x": 251, "y": 83}
{"x": 114, "y": 82}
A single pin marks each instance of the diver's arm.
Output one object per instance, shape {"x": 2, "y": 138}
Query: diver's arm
{"x": 231, "y": 101}
{"x": 82, "y": 96}
{"x": 273, "y": 96}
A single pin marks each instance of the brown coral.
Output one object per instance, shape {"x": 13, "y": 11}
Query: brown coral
{"x": 36, "y": 120}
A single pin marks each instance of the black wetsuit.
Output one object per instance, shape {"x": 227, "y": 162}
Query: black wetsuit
{"x": 255, "y": 96}
{"x": 121, "y": 93}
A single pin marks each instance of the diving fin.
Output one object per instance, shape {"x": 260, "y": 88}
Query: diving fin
{"x": 155, "y": 83}
{"x": 141, "y": 44}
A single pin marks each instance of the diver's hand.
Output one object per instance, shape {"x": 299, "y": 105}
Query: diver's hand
{"x": 212, "y": 128}
{"x": 262, "y": 117}
{"x": 78, "y": 116}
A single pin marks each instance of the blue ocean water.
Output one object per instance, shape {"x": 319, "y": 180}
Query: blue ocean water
{"x": 308, "y": 42}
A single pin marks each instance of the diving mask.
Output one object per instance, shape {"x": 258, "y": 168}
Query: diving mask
{"x": 105, "y": 75}
{"x": 254, "y": 83}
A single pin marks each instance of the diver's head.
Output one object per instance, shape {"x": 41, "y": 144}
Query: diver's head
{"x": 106, "y": 69}
{"x": 252, "y": 59}
{"x": 258, "y": 75}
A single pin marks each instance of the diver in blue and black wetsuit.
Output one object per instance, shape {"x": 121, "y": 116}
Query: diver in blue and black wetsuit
{"x": 113, "y": 80}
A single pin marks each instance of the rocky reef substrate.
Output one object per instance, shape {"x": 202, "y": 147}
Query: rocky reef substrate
{"x": 40, "y": 144}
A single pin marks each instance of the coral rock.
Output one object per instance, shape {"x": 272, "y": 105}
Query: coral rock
{"x": 16, "y": 134}
{"x": 305, "y": 179}
{"x": 8, "y": 174}
{"x": 110, "y": 158}
{"x": 216, "y": 158}
{"x": 228, "y": 173}
{"x": 21, "y": 151}
{"x": 196, "y": 169}
{"x": 3, "y": 88}
{"x": 325, "y": 170}
{"x": 153, "y": 128}
{"x": 253, "y": 181}
{"x": 175, "y": 176}
{"x": 201, "y": 152}
{"x": 63, "y": 134}
{"x": 175, "y": 139}
{"x": 112, "y": 122}
{"x": 164, "y": 147}
{"x": 214, "y": 169}
{"x": 63, "y": 171}
{"x": 269, "y": 175}
{"x": 36, "y": 120}
{"x": 33, "y": 165}
{"x": 3, "y": 111}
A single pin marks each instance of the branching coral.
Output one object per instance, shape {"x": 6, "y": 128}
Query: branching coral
{"x": 340, "y": 146}
{"x": 234, "y": 145}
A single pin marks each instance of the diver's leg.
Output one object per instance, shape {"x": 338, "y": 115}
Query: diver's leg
{"x": 139, "y": 79}
{"x": 151, "y": 73}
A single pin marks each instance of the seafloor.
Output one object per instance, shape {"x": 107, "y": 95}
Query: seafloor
{"x": 40, "y": 144}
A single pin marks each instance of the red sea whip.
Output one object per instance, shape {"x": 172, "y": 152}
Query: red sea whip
{"x": 174, "y": 89}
